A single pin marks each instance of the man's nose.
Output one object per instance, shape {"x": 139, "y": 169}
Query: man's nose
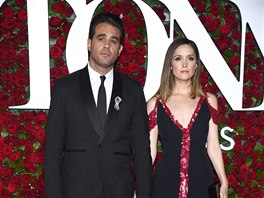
{"x": 107, "y": 44}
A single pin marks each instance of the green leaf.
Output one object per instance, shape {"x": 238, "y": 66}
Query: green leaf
{"x": 4, "y": 134}
{"x": 36, "y": 145}
{"x": 6, "y": 161}
{"x": 22, "y": 135}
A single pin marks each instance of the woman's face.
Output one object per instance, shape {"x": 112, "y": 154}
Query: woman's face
{"x": 183, "y": 63}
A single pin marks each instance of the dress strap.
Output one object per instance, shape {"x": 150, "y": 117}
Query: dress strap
{"x": 153, "y": 115}
{"x": 214, "y": 112}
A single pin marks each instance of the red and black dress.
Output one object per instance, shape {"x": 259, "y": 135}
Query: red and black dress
{"x": 184, "y": 170}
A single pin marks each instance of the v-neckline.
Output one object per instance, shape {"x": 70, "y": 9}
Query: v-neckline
{"x": 193, "y": 117}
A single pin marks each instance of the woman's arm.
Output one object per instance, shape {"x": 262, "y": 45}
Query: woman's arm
{"x": 214, "y": 150}
{"x": 151, "y": 105}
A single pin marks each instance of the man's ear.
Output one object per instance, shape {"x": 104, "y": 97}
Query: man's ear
{"x": 89, "y": 44}
{"x": 120, "y": 49}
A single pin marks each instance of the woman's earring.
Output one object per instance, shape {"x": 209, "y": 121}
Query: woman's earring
{"x": 195, "y": 66}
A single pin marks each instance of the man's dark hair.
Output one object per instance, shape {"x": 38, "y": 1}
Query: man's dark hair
{"x": 109, "y": 18}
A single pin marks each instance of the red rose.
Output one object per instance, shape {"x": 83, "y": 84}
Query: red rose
{"x": 254, "y": 155}
{"x": 126, "y": 6}
{"x": 130, "y": 49}
{"x": 5, "y": 171}
{"x": 53, "y": 33}
{"x": 225, "y": 29}
{"x": 22, "y": 38}
{"x": 25, "y": 179}
{"x": 233, "y": 125}
{"x": 249, "y": 49}
{"x": 8, "y": 12}
{"x": 21, "y": 81}
{"x": 56, "y": 52}
{"x": 22, "y": 57}
{"x": 11, "y": 187}
{"x": 116, "y": 10}
{"x": 21, "y": 3}
{"x": 41, "y": 116}
{"x": 29, "y": 167}
{"x": 247, "y": 102}
{"x": 255, "y": 77}
{"x": 236, "y": 35}
{"x": 126, "y": 20}
{"x": 22, "y": 15}
{"x": 234, "y": 48}
{"x": 232, "y": 180}
{"x": 14, "y": 156}
{"x": 215, "y": 10}
{"x": 61, "y": 42}
{"x": 59, "y": 7}
{"x": 238, "y": 146}
{"x": 202, "y": 18}
{"x": 68, "y": 11}
{"x": 258, "y": 79}
{"x": 12, "y": 128}
{"x": 55, "y": 21}
{"x": 141, "y": 60}
{"x": 8, "y": 25}
{"x": 34, "y": 159}
{"x": 249, "y": 37}
{"x": 248, "y": 147}
{"x": 59, "y": 62}
{"x": 40, "y": 135}
{"x": 211, "y": 23}
{"x": 201, "y": 7}
{"x": 160, "y": 12}
{"x": 10, "y": 53}
{"x": 234, "y": 61}
{"x": 66, "y": 26}
{"x": 229, "y": 18}
{"x": 193, "y": 2}
{"x": 223, "y": 45}
{"x": 54, "y": 72}
{"x": 64, "y": 70}
{"x": 108, "y": 6}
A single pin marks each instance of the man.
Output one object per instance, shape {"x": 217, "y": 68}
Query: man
{"x": 94, "y": 156}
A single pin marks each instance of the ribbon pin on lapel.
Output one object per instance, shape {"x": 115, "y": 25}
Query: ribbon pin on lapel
{"x": 117, "y": 102}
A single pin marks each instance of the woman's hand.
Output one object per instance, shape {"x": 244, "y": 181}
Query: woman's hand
{"x": 224, "y": 190}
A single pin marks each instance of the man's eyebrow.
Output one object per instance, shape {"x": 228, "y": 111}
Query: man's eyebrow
{"x": 104, "y": 35}
{"x": 101, "y": 35}
{"x": 115, "y": 37}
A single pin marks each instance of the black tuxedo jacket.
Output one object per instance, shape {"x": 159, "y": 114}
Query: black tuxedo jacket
{"x": 80, "y": 163}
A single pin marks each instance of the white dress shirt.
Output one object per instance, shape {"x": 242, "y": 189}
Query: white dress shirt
{"x": 96, "y": 81}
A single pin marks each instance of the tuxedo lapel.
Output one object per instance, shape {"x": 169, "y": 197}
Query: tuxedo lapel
{"x": 112, "y": 111}
{"x": 88, "y": 100}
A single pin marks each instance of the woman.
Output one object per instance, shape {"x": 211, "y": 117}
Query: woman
{"x": 184, "y": 117}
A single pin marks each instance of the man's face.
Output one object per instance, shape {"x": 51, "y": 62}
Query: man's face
{"x": 104, "y": 47}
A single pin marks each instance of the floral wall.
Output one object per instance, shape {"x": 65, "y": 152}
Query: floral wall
{"x": 23, "y": 131}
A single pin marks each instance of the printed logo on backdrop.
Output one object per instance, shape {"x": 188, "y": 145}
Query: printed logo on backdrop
{"x": 180, "y": 11}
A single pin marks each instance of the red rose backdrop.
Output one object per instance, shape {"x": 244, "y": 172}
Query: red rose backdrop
{"x": 23, "y": 131}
